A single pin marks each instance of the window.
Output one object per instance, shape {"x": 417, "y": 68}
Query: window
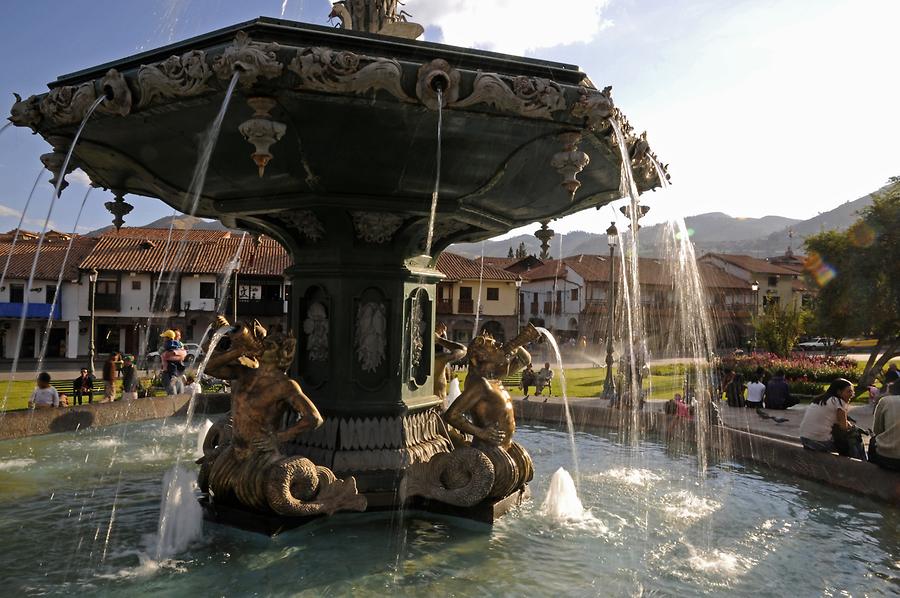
{"x": 207, "y": 290}
{"x": 773, "y": 281}
{"x": 107, "y": 287}
{"x": 166, "y": 296}
{"x": 493, "y": 294}
{"x": 51, "y": 293}
{"x": 135, "y": 285}
{"x": 16, "y": 293}
{"x": 558, "y": 297}
{"x": 465, "y": 293}
{"x": 573, "y": 295}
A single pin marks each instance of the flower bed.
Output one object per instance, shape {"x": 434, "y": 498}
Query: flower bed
{"x": 797, "y": 367}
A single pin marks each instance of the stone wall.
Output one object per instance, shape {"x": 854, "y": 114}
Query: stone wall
{"x": 849, "y": 474}
{"x": 18, "y": 424}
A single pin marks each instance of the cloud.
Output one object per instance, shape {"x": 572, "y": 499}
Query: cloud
{"x": 7, "y": 211}
{"x": 511, "y": 26}
{"x": 79, "y": 176}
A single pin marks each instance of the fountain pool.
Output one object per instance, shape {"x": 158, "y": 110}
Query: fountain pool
{"x": 652, "y": 528}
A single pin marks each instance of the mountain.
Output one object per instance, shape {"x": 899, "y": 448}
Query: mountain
{"x": 714, "y": 231}
{"x": 182, "y": 221}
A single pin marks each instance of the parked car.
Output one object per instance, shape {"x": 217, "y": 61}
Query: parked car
{"x": 818, "y": 343}
{"x": 194, "y": 353}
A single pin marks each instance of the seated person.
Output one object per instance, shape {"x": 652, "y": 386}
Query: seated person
{"x": 544, "y": 376}
{"x": 825, "y": 426}
{"x": 884, "y": 447}
{"x": 755, "y": 392}
{"x": 44, "y": 395}
{"x": 778, "y": 395}
{"x": 81, "y": 386}
{"x": 529, "y": 378}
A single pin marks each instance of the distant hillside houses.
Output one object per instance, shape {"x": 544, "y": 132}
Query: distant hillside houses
{"x": 143, "y": 282}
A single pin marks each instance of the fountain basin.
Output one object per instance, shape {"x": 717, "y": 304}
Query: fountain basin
{"x": 653, "y": 528}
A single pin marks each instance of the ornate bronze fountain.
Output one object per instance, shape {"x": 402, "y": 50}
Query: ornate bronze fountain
{"x": 328, "y": 146}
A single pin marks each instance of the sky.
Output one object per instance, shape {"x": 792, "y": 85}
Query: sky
{"x": 759, "y": 107}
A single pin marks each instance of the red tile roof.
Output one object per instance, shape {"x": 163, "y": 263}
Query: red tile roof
{"x": 457, "y": 267}
{"x": 595, "y": 268}
{"x": 51, "y": 260}
{"x": 197, "y": 252}
{"x": 752, "y": 264}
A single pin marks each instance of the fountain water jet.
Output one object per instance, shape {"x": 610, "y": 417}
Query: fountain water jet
{"x": 562, "y": 502}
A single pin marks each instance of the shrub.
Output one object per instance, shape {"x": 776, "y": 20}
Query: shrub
{"x": 799, "y": 387}
{"x": 797, "y": 367}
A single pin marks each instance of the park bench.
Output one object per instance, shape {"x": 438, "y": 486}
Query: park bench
{"x": 67, "y": 387}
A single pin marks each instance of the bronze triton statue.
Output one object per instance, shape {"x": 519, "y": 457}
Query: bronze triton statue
{"x": 242, "y": 462}
{"x": 491, "y": 466}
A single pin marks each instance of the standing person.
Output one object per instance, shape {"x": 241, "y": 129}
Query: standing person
{"x": 778, "y": 395}
{"x": 884, "y": 447}
{"x": 755, "y": 392}
{"x": 83, "y": 385}
{"x": 110, "y": 371}
{"x": 528, "y": 379}
{"x": 44, "y": 395}
{"x": 129, "y": 379}
{"x": 825, "y": 426}
{"x": 172, "y": 358}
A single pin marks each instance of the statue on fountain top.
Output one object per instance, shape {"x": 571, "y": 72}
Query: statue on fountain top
{"x": 243, "y": 463}
{"x": 375, "y": 16}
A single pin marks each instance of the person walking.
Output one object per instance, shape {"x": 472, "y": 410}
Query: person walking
{"x": 83, "y": 385}
{"x": 129, "y": 379}
{"x": 110, "y": 371}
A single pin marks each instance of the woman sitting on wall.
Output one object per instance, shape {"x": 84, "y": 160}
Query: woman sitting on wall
{"x": 825, "y": 426}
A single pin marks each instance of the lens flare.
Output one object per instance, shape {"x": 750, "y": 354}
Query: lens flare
{"x": 821, "y": 271}
{"x": 861, "y": 234}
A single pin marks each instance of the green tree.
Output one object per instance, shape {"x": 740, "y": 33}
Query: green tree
{"x": 521, "y": 250}
{"x": 859, "y": 277}
{"x": 778, "y": 329}
{"x": 510, "y": 254}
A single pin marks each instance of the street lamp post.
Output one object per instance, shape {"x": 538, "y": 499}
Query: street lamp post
{"x": 609, "y": 388}
{"x": 92, "y": 277}
{"x": 755, "y": 288}
{"x": 518, "y": 303}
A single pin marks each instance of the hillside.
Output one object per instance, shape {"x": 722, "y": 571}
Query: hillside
{"x": 182, "y": 221}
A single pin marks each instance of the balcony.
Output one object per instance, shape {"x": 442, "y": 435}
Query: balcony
{"x": 444, "y": 306}
{"x": 35, "y": 310}
{"x": 466, "y": 306}
{"x": 261, "y": 307}
{"x": 111, "y": 302}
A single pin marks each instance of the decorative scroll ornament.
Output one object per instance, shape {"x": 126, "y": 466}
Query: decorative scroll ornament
{"x": 252, "y": 59}
{"x": 437, "y": 74}
{"x": 176, "y": 77}
{"x": 306, "y": 223}
{"x": 67, "y": 105}
{"x": 262, "y": 131}
{"x": 324, "y": 69}
{"x": 25, "y": 113}
{"x": 118, "y": 94}
{"x": 376, "y": 227}
{"x": 118, "y": 208}
{"x": 316, "y": 328}
{"x": 417, "y": 327}
{"x": 371, "y": 342}
{"x": 531, "y": 97}
{"x": 595, "y": 107}
{"x": 570, "y": 161}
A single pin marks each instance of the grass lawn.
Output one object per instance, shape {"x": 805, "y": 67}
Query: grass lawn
{"x": 21, "y": 392}
{"x": 588, "y": 382}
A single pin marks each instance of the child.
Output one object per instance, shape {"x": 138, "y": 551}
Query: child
{"x": 44, "y": 395}
{"x": 172, "y": 359}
